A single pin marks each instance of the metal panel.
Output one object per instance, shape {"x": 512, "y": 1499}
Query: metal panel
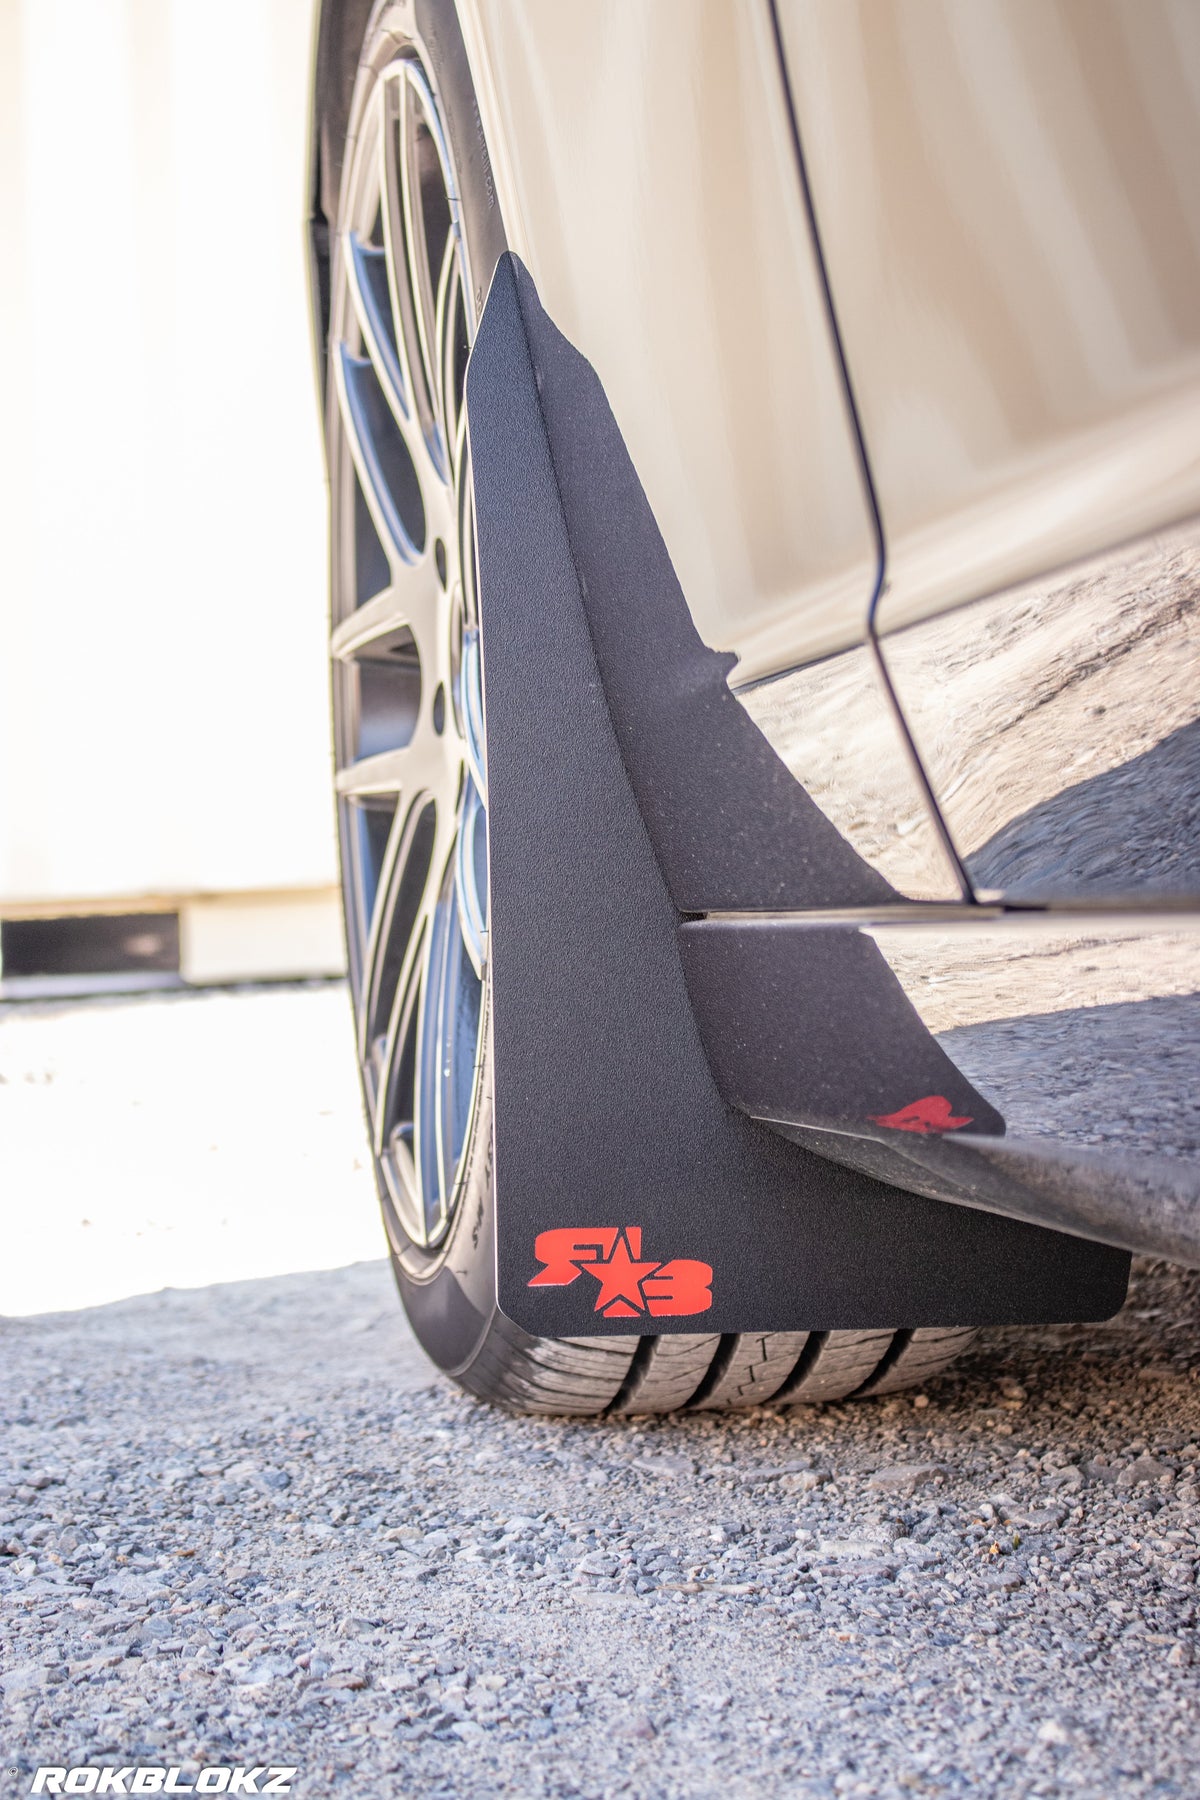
{"x": 1082, "y": 1030}
{"x": 1007, "y": 202}
{"x": 833, "y": 724}
{"x": 1060, "y": 727}
{"x": 647, "y": 176}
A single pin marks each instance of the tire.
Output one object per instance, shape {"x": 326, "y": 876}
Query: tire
{"x": 415, "y": 243}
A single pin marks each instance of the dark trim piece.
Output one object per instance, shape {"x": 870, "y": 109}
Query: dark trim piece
{"x": 626, "y": 788}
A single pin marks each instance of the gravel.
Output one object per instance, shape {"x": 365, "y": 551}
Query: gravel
{"x": 246, "y": 1522}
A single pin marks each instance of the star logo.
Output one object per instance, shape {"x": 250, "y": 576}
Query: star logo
{"x": 620, "y": 1278}
{"x": 630, "y": 1287}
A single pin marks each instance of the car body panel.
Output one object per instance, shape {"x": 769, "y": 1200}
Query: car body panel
{"x": 1008, "y": 210}
{"x": 1082, "y": 1029}
{"x": 647, "y": 174}
{"x": 834, "y": 726}
{"x": 1059, "y": 723}
{"x": 1011, "y": 235}
{"x": 646, "y": 171}
{"x": 1010, "y": 221}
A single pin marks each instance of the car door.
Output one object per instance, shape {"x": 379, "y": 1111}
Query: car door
{"x": 646, "y": 167}
{"x": 1007, "y": 203}
{"x": 1008, "y": 207}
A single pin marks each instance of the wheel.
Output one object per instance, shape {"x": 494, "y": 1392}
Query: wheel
{"x": 417, "y": 238}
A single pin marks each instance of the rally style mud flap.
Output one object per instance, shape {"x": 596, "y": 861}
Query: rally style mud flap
{"x": 629, "y": 794}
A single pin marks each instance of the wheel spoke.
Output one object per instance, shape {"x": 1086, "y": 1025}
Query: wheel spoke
{"x": 449, "y": 285}
{"x": 401, "y": 910}
{"x": 429, "y": 228}
{"x": 386, "y": 1051}
{"x": 393, "y": 131}
{"x": 393, "y": 1123}
{"x": 396, "y": 623}
{"x": 370, "y": 625}
{"x": 420, "y": 766}
{"x": 437, "y": 1063}
{"x": 401, "y": 1175}
{"x": 370, "y": 290}
{"x": 466, "y": 526}
{"x": 384, "y": 774}
{"x": 408, "y": 980}
{"x": 433, "y": 1045}
{"x": 382, "y": 458}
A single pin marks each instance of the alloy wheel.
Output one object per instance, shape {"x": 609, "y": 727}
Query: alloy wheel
{"x": 407, "y": 686}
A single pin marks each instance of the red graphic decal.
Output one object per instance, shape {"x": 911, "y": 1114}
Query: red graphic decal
{"x": 620, "y": 1281}
{"x": 565, "y": 1252}
{"x": 681, "y": 1286}
{"x": 931, "y": 1114}
{"x": 629, "y": 1285}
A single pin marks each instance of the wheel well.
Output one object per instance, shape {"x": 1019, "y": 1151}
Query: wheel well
{"x": 341, "y": 31}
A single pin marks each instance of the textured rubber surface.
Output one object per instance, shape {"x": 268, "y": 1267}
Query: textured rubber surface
{"x": 548, "y": 1375}
{"x": 751, "y": 1368}
{"x": 666, "y": 1374}
{"x": 835, "y": 1364}
{"x": 918, "y": 1355}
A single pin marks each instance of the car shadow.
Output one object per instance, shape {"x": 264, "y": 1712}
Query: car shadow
{"x": 1135, "y": 828}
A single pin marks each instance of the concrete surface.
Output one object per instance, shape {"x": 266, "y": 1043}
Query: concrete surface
{"x": 176, "y": 1140}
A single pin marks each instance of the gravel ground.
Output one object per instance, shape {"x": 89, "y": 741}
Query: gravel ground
{"x": 245, "y": 1525}
{"x": 244, "y": 1522}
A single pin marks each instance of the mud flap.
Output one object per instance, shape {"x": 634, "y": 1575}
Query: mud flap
{"x": 628, "y": 792}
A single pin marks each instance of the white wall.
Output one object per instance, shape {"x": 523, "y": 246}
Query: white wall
{"x": 163, "y": 710}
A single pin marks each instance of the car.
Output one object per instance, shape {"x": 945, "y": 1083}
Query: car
{"x": 762, "y": 455}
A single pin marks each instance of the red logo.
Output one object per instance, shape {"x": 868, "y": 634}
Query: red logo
{"x": 931, "y": 1114}
{"x": 629, "y": 1285}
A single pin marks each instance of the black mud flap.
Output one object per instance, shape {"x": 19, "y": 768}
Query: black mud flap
{"x": 629, "y": 792}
